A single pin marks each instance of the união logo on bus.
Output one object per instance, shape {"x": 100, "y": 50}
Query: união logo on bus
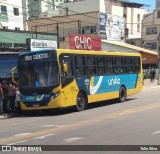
{"x": 114, "y": 81}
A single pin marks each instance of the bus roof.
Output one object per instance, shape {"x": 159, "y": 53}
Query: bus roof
{"x": 59, "y": 51}
{"x": 97, "y": 52}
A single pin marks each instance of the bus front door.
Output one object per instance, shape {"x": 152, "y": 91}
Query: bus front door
{"x": 67, "y": 82}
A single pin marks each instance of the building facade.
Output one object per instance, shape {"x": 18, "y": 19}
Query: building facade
{"x": 132, "y": 12}
{"x": 151, "y": 30}
{"x": 12, "y": 14}
{"x": 157, "y": 4}
{"x": 43, "y": 8}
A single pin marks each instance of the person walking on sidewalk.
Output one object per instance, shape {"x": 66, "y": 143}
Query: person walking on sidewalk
{"x": 1, "y": 98}
{"x": 17, "y": 102}
{"x": 153, "y": 73}
{"x": 11, "y": 96}
{"x": 5, "y": 99}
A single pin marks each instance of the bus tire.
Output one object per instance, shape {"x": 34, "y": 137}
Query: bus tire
{"x": 122, "y": 94}
{"x": 81, "y": 102}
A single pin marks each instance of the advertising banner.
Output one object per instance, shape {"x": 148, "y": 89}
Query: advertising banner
{"x": 111, "y": 27}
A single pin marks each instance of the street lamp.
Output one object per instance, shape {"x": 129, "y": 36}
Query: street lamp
{"x": 158, "y": 51}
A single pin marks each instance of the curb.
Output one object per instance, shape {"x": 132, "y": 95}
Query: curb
{"x": 3, "y": 116}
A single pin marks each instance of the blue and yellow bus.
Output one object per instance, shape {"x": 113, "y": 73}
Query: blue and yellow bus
{"x": 51, "y": 79}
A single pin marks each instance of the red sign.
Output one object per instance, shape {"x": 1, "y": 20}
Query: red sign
{"x": 84, "y": 42}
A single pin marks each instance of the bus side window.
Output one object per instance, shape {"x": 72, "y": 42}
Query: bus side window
{"x": 128, "y": 65}
{"x": 90, "y": 65}
{"x": 136, "y": 64}
{"x": 109, "y": 65}
{"x": 79, "y": 67}
{"x": 119, "y": 69}
{"x": 100, "y": 65}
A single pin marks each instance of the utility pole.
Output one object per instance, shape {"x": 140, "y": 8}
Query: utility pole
{"x": 79, "y": 27}
{"x": 36, "y": 31}
{"x": 57, "y": 27}
{"x": 158, "y": 52}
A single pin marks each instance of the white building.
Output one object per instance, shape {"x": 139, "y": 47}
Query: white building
{"x": 133, "y": 12}
{"x": 11, "y": 14}
{"x": 43, "y": 8}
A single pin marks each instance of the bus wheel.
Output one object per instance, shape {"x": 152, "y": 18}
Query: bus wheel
{"x": 81, "y": 102}
{"x": 122, "y": 94}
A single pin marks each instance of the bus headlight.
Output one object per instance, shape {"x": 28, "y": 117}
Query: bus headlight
{"x": 52, "y": 97}
{"x": 57, "y": 94}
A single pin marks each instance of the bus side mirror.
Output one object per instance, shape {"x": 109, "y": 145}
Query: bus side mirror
{"x": 65, "y": 68}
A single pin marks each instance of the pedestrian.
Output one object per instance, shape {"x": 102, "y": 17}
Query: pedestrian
{"x": 153, "y": 73}
{"x": 17, "y": 101}
{"x": 1, "y": 98}
{"x": 5, "y": 93}
{"x": 11, "y": 96}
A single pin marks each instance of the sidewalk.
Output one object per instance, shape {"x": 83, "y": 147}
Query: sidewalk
{"x": 148, "y": 83}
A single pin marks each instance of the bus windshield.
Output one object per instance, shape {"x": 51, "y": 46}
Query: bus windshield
{"x": 38, "y": 74}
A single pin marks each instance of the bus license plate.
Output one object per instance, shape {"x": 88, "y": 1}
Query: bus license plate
{"x": 35, "y": 105}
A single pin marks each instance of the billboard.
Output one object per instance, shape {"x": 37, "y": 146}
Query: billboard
{"x": 84, "y": 42}
{"x": 111, "y": 27}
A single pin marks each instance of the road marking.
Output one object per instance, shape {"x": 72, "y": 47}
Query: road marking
{"x": 52, "y": 126}
{"x": 156, "y": 133}
{"x": 42, "y": 137}
{"x": 72, "y": 139}
{"x": 80, "y": 123}
{"x": 23, "y": 134}
{"x": 18, "y": 142}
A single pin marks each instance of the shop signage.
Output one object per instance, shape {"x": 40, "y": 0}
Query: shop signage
{"x": 34, "y": 44}
{"x": 84, "y": 42}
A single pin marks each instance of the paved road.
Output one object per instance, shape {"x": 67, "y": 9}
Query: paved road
{"x": 134, "y": 122}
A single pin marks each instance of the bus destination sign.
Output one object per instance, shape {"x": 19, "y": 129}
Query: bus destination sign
{"x": 36, "y": 56}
